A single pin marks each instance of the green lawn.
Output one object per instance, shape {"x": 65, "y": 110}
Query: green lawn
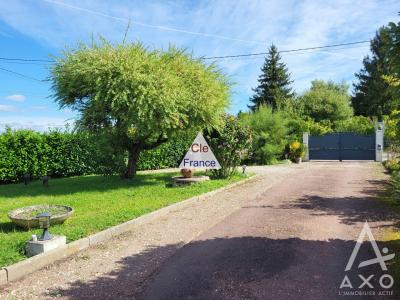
{"x": 392, "y": 235}
{"x": 99, "y": 202}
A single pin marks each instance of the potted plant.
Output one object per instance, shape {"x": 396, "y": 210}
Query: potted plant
{"x": 296, "y": 151}
{"x": 187, "y": 173}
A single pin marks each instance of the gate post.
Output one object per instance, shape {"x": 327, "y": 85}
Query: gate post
{"x": 305, "y": 142}
{"x": 379, "y": 133}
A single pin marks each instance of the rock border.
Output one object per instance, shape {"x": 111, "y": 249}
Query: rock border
{"x": 21, "y": 269}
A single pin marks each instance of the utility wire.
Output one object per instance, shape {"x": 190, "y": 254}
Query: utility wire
{"x": 331, "y": 51}
{"x": 27, "y": 60}
{"x": 232, "y": 57}
{"x": 13, "y": 62}
{"x": 20, "y": 74}
{"x": 286, "y": 51}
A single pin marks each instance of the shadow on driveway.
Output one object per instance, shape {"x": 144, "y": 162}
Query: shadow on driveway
{"x": 232, "y": 268}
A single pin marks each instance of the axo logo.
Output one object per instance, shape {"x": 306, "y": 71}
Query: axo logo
{"x": 386, "y": 281}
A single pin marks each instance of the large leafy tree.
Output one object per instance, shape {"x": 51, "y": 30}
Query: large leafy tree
{"x": 274, "y": 88}
{"x": 393, "y": 79}
{"x": 138, "y": 97}
{"x": 392, "y": 48}
{"x": 230, "y": 144}
{"x": 269, "y": 133}
{"x": 326, "y": 102}
{"x": 372, "y": 92}
{"x": 392, "y": 132}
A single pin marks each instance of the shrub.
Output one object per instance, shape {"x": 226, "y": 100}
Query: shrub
{"x": 54, "y": 153}
{"x": 395, "y": 182}
{"x": 296, "y": 150}
{"x": 392, "y": 131}
{"x": 392, "y": 165}
{"x": 168, "y": 155}
{"x": 230, "y": 144}
{"x": 109, "y": 157}
{"x": 61, "y": 154}
{"x": 319, "y": 128}
{"x": 327, "y": 101}
{"x": 356, "y": 124}
{"x": 297, "y": 126}
{"x": 269, "y": 133}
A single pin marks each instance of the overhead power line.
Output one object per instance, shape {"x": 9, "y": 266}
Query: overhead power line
{"x": 25, "y": 59}
{"x": 24, "y": 63}
{"x": 238, "y": 56}
{"x": 332, "y": 51}
{"x": 286, "y": 51}
{"x": 28, "y": 60}
{"x": 20, "y": 74}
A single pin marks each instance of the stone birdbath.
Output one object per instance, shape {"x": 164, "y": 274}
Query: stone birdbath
{"x": 25, "y": 217}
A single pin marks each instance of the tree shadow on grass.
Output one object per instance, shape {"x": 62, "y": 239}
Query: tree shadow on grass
{"x": 71, "y": 185}
{"x": 231, "y": 268}
{"x": 7, "y": 227}
{"x": 377, "y": 187}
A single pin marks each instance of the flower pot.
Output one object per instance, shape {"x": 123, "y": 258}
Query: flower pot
{"x": 187, "y": 173}
{"x": 298, "y": 160}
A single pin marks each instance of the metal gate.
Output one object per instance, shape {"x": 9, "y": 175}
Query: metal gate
{"x": 342, "y": 146}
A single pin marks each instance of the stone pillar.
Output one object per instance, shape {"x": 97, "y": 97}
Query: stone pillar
{"x": 379, "y": 132}
{"x": 305, "y": 142}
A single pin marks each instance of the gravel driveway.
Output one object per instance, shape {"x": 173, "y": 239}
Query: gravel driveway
{"x": 286, "y": 234}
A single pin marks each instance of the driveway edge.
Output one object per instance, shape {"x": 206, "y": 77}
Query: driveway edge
{"x": 20, "y": 269}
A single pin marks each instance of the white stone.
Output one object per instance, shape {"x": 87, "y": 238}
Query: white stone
{"x": 37, "y": 247}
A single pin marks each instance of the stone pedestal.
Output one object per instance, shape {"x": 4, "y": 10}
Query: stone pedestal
{"x": 190, "y": 180}
{"x": 37, "y": 247}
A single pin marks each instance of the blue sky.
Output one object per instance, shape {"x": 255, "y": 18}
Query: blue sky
{"x": 39, "y": 28}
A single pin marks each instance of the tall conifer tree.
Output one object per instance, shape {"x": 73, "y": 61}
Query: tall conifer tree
{"x": 274, "y": 88}
{"x": 372, "y": 93}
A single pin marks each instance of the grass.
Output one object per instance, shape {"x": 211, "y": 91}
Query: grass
{"x": 392, "y": 236}
{"x": 99, "y": 202}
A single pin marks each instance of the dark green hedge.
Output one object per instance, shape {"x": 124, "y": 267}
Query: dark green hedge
{"x": 55, "y": 153}
{"x": 166, "y": 155}
{"x": 61, "y": 154}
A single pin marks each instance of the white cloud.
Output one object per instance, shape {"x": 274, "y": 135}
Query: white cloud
{"x": 7, "y": 108}
{"x": 16, "y": 97}
{"x": 287, "y": 23}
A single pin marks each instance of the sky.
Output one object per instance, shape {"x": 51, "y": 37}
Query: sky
{"x": 40, "y": 29}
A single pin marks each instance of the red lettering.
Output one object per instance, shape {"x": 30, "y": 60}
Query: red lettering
{"x": 195, "y": 148}
{"x": 199, "y": 148}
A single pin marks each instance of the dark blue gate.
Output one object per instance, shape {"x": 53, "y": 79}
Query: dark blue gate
{"x": 342, "y": 146}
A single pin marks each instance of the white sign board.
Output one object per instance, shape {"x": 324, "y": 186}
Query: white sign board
{"x": 199, "y": 156}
